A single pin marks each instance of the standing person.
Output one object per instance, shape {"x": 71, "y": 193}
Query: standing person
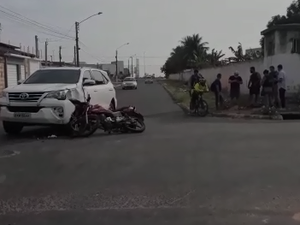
{"x": 281, "y": 85}
{"x": 267, "y": 83}
{"x": 216, "y": 88}
{"x": 274, "y": 74}
{"x": 193, "y": 80}
{"x": 254, "y": 86}
{"x": 235, "y": 82}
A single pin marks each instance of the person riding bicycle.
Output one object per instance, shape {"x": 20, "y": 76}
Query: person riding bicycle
{"x": 199, "y": 88}
{"x": 193, "y": 80}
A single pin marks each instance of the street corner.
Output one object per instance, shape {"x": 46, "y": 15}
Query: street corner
{"x": 168, "y": 90}
{"x": 184, "y": 107}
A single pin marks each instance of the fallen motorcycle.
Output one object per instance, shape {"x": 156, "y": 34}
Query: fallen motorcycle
{"x": 83, "y": 122}
{"x": 122, "y": 120}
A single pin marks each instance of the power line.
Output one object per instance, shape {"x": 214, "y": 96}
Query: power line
{"x": 35, "y": 28}
{"x": 16, "y": 17}
{"x": 16, "y": 13}
{"x": 20, "y": 16}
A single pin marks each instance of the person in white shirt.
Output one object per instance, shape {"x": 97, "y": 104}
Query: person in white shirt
{"x": 281, "y": 85}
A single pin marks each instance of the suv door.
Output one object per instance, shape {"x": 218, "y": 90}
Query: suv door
{"x": 103, "y": 92}
{"x": 91, "y": 90}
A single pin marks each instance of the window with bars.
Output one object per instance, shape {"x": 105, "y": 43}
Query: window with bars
{"x": 296, "y": 45}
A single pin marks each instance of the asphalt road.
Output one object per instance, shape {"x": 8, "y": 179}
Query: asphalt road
{"x": 180, "y": 171}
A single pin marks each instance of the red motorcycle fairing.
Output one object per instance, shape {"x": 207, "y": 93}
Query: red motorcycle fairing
{"x": 98, "y": 109}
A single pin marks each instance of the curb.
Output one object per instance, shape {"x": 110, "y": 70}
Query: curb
{"x": 181, "y": 105}
{"x": 225, "y": 115}
{"x": 247, "y": 116}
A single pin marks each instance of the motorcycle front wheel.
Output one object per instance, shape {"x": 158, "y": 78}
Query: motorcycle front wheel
{"x": 79, "y": 127}
{"x": 136, "y": 125}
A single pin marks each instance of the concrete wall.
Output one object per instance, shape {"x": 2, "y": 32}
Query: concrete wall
{"x": 2, "y": 75}
{"x": 210, "y": 74}
{"x": 290, "y": 62}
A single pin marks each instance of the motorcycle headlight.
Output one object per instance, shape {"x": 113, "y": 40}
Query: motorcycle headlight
{"x": 59, "y": 95}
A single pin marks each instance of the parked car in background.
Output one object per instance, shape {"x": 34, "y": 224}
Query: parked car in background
{"x": 148, "y": 81}
{"x": 43, "y": 98}
{"x": 129, "y": 83}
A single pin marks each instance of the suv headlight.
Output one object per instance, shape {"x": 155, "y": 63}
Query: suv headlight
{"x": 3, "y": 94}
{"x": 59, "y": 95}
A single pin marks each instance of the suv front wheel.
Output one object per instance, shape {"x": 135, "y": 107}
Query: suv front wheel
{"x": 12, "y": 127}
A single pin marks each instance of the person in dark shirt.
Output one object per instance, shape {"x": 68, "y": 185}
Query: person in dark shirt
{"x": 235, "y": 82}
{"x": 267, "y": 85}
{"x": 254, "y": 86}
{"x": 216, "y": 88}
{"x": 274, "y": 74}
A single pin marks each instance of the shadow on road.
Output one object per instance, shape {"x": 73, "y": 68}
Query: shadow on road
{"x": 32, "y": 133}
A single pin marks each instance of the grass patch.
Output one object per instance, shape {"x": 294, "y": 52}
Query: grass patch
{"x": 180, "y": 93}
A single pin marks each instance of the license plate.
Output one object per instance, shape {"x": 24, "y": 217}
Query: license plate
{"x": 22, "y": 115}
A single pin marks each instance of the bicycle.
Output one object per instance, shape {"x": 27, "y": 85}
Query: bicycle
{"x": 201, "y": 106}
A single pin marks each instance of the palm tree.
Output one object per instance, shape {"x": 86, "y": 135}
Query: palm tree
{"x": 213, "y": 58}
{"x": 238, "y": 53}
{"x": 194, "y": 50}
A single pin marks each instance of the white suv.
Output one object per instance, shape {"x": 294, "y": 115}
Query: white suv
{"x": 42, "y": 99}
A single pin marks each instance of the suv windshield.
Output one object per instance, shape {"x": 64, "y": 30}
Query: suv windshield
{"x": 57, "y": 76}
{"x": 129, "y": 79}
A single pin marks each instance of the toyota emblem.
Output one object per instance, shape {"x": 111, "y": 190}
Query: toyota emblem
{"x": 24, "y": 96}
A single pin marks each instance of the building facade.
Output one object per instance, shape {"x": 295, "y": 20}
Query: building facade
{"x": 15, "y": 65}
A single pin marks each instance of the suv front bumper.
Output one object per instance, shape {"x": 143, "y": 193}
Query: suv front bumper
{"x": 50, "y": 111}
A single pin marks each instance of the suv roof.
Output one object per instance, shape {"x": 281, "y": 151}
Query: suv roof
{"x": 68, "y": 68}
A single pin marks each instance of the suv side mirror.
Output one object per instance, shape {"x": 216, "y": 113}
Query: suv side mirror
{"x": 88, "y": 82}
{"x": 20, "y": 81}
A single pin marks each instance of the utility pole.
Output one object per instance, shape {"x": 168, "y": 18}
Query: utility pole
{"x": 46, "y": 52}
{"x": 144, "y": 63}
{"x": 128, "y": 66}
{"x": 0, "y": 31}
{"x": 132, "y": 67}
{"x": 60, "y": 64}
{"x": 37, "y": 51}
{"x": 77, "y": 43}
{"x": 116, "y": 65}
{"x": 75, "y": 56}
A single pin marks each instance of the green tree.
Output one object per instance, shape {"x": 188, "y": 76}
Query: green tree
{"x": 191, "y": 53}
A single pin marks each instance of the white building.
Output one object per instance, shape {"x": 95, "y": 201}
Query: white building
{"x": 112, "y": 67}
{"x": 252, "y": 51}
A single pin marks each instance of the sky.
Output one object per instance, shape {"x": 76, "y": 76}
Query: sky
{"x": 152, "y": 27}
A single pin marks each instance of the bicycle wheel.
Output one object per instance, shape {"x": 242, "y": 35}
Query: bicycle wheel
{"x": 202, "y": 108}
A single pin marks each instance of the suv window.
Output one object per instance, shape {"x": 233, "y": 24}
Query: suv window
{"x": 98, "y": 77}
{"x": 54, "y": 76}
{"x": 87, "y": 75}
{"x": 106, "y": 78}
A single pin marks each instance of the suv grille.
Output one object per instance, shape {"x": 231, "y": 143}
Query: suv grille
{"x": 25, "y": 97}
{"x": 32, "y": 109}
